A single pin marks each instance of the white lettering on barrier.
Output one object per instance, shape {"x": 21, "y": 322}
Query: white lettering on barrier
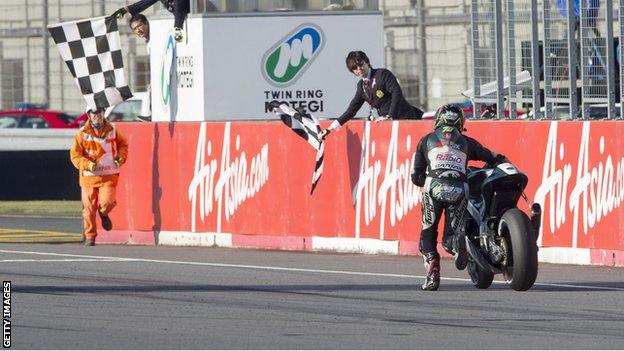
{"x": 597, "y": 192}
{"x": 237, "y": 181}
{"x": 367, "y": 182}
{"x": 203, "y": 179}
{"x": 394, "y": 194}
{"x": 554, "y": 181}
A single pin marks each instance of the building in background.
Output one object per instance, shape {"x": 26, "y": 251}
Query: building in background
{"x": 427, "y": 45}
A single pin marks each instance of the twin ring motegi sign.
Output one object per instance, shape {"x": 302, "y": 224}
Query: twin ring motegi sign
{"x": 240, "y": 64}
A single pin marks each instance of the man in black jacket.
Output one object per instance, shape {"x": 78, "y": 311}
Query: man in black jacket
{"x": 179, "y": 8}
{"x": 380, "y": 88}
{"x": 440, "y": 166}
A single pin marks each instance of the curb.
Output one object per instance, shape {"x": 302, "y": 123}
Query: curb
{"x": 558, "y": 255}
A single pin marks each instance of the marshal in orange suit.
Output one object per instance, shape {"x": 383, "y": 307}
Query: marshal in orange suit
{"x": 98, "y": 152}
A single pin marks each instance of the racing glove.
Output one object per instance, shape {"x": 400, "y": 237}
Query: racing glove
{"x": 418, "y": 178}
{"x": 377, "y": 118}
{"x": 274, "y": 105}
{"x": 91, "y": 166}
{"x": 120, "y": 13}
{"x": 177, "y": 34}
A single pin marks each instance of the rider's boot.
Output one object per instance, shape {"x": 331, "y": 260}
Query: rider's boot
{"x": 448, "y": 243}
{"x": 461, "y": 254}
{"x": 432, "y": 265}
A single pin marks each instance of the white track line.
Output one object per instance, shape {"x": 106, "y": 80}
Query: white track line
{"x": 284, "y": 269}
{"x": 68, "y": 260}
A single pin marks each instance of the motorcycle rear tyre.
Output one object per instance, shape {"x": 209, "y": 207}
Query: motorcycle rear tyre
{"x": 516, "y": 228}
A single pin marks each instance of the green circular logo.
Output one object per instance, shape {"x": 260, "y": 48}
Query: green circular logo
{"x": 165, "y": 71}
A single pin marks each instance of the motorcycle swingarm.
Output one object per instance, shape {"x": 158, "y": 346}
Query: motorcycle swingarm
{"x": 479, "y": 259}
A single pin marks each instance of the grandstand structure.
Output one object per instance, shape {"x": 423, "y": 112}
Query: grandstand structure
{"x": 438, "y": 49}
{"x": 430, "y": 76}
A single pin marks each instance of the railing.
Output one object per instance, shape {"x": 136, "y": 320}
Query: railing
{"x": 572, "y": 55}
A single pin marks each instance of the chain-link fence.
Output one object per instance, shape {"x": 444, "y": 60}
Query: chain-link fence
{"x": 577, "y": 61}
{"x": 523, "y": 57}
{"x": 597, "y": 58}
{"x": 428, "y": 48}
{"x": 484, "y": 52}
{"x": 620, "y": 57}
{"x": 560, "y": 68}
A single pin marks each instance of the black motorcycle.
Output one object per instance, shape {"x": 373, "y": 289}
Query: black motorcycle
{"x": 500, "y": 238}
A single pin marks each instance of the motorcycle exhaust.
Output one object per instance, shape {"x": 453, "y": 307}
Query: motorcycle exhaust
{"x": 536, "y": 218}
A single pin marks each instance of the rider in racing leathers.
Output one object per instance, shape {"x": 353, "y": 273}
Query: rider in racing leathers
{"x": 440, "y": 165}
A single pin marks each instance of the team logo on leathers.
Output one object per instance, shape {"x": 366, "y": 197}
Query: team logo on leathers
{"x": 285, "y": 62}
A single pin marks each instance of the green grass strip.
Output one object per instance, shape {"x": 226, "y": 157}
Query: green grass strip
{"x": 45, "y": 207}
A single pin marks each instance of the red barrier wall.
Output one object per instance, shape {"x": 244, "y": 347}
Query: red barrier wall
{"x": 253, "y": 179}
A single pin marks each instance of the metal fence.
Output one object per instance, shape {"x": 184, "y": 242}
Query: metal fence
{"x": 31, "y": 69}
{"x": 522, "y": 61}
{"x": 428, "y": 48}
{"x": 486, "y": 51}
{"x": 571, "y": 57}
{"x": 515, "y": 54}
{"x": 620, "y": 57}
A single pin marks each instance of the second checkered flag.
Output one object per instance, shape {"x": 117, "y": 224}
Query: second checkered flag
{"x": 92, "y": 51}
{"x": 307, "y": 127}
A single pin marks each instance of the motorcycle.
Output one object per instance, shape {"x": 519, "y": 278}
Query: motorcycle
{"x": 500, "y": 238}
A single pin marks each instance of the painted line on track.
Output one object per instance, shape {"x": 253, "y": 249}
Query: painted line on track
{"x": 288, "y": 269}
{"x": 20, "y": 230}
{"x": 27, "y": 236}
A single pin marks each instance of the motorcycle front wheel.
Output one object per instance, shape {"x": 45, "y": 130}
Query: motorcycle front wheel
{"x": 520, "y": 267}
{"x": 481, "y": 278}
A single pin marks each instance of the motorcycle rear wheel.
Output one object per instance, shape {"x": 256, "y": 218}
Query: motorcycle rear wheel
{"x": 520, "y": 270}
{"x": 481, "y": 278}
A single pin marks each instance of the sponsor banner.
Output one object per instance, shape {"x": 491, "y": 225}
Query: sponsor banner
{"x": 245, "y": 178}
{"x": 236, "y": 65}
{"x": 177, "y": 72}
{"x": 582, "y": 185}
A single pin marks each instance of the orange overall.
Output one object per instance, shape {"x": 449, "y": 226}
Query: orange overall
{"x": 108, "y": 149}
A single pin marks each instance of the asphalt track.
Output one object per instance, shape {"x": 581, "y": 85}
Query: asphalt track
{"x": 70, "y": 296}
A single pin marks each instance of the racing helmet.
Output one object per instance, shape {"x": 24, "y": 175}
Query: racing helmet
{"x": 449, "y": 116}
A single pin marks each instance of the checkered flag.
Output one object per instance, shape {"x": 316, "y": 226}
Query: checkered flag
{"x": 307, "y": 127}
{"x": 92, "y": 51}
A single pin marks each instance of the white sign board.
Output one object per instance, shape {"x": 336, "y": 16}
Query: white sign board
{"x": 231, "y": 68}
